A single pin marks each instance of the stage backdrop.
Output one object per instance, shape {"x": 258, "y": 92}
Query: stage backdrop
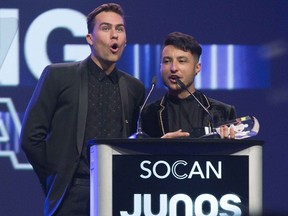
{"x": 244, "y": 62}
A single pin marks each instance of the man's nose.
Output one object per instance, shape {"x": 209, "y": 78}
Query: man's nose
{"x": 173, "y": 67}
{"x": 114, "y": 34}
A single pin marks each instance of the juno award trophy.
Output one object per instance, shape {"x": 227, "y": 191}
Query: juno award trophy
{"x": 244, "y": 127}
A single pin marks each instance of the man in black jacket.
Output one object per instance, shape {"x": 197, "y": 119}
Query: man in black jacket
{"x": 178, "y": 113}
{"x": 75, "y": 102}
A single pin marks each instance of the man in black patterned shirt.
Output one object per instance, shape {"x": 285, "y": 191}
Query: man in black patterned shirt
{"x": 75, "y": 102}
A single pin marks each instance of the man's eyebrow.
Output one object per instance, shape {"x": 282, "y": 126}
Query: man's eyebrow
{"x": 177, "y": 57}
{"x": 166, "y": 57}
{"x": 180, "y": 57}
{"x": 110, "y": 24}
{"x": 104, "y": 23}
{"x": 120, "y": 25}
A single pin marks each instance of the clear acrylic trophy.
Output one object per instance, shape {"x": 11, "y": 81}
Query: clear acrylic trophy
{"x": 244, "y": 127}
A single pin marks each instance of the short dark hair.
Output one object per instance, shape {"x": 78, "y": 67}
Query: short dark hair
{"x": 116, "y": 8}
{"x": 184, "y": 42}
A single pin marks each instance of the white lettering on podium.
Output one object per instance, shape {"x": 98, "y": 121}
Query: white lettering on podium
{"x": 181, "y": 198}
{"x": 227, "y": 204}
{"x": 204, "y": 172}
{"x": 206, "y": 198}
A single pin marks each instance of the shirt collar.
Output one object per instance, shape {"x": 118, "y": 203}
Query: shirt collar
{"x": 100, "y": 74}
{"x": 177, "y": 100}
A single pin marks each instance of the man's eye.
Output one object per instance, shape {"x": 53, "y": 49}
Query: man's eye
{"x": 166, "y": 61}
{"x": 182, "y": 61}
{"x": 105, "y": 28}
{"x": 120, "y": 29}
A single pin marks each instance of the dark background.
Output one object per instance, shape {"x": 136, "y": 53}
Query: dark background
{"x": 258, "y": 22}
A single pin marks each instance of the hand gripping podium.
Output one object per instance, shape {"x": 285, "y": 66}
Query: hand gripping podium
{"x": 172, "y": 177}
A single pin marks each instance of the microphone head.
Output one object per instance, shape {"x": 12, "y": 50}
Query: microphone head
{"x": 154, "y": 80}
{"x": 140, "y": 133}
{"x": 180, "y": 84}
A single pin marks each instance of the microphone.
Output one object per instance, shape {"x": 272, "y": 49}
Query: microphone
{"x": 140, "y": 134}
{"x": 243, "y": 127}
{"x": 183, "y": 87}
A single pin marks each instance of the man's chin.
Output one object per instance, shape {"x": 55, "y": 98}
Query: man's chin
{"x": 113, "y": 58}
{"x": 172, "y": 86}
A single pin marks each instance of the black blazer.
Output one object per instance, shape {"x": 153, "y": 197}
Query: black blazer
{"x": 155, "y": 115}
{"x": 54, "y": 124}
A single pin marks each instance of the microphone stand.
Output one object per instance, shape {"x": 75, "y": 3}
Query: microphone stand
{"x": 211, "y": 122}
{"x": 140, "y": 134}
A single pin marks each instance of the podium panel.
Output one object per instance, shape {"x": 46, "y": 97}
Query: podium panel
{"x": 175, "y": 177}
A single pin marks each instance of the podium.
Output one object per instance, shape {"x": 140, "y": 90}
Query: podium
{"x": 175, "y": 177}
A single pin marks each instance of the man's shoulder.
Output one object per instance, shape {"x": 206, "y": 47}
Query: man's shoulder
{"x": 214, "y": 102}
{"x": 129, "y": 78}
{"x": 126, "y": 75}
{"x": 68, "y": 65}
{"x": 68, "y": 71}
{"x": 224, "y": 111}
{"x": 209, "y": 101}
{"x": 154, "y": 105}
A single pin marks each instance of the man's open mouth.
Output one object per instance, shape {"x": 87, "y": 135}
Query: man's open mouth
{"x": 173, "y": 78}
{"x": 114, "y": 48}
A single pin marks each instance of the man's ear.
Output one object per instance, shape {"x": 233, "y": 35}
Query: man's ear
{"x": 89, "y": 39}
{"x": 198, "y": 68}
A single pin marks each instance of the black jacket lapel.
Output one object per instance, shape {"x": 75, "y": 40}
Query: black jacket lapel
{"x": 125, "y": 104}
{"x": 82, "y": 105}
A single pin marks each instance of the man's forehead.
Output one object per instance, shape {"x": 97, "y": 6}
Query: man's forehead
{"x": 109, "y": 17}
{"x": 169, "y": 51}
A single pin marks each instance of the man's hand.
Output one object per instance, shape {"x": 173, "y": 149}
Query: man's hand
{"x": 176, "y": 134}
{"x": 226, "y": 132}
